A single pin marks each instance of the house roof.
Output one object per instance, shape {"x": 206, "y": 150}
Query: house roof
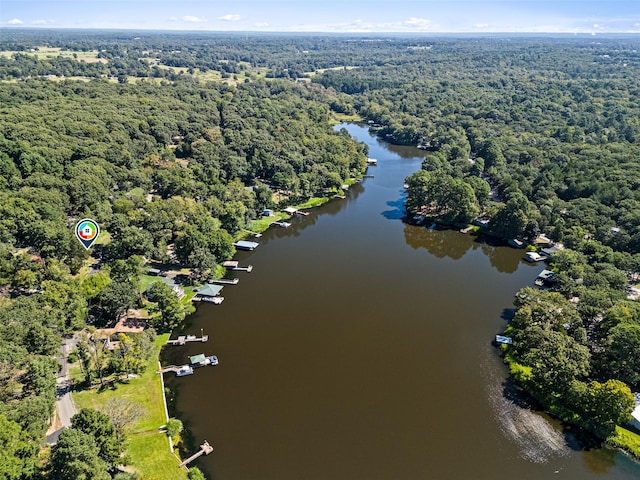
{"x": 546, "y": 274}
{"x": 209, "y": 290}
{"x": 169, "y": 281}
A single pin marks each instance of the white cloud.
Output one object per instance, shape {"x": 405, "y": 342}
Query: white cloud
{"x": 173, "y": 19}
{"x": 481, "y": 25}
{"x": 15, "y": 21}
{"x": 261, "y": 24}
{"x": 413, "y": 24}
{"x": 42, "y": 22}
{"x": 231, "y": 17}
{"x": 193, "y": 19}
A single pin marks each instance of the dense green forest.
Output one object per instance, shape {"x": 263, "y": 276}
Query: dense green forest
{"x": 172, "y": 170}
{"x": 175, "y": 142}
{"x": 527, "y": 138}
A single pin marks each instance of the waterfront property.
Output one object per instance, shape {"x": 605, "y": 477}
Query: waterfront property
{"x": 175, "y": 288}
{"x": 545, "y": 277}
{"x": 548, "y": 252}
{"x": 208, "y": 293}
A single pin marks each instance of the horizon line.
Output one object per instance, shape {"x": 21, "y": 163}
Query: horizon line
{"x": 4, "y": 28}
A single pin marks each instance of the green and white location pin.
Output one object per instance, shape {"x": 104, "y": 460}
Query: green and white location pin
{"x": 87, "y": 232}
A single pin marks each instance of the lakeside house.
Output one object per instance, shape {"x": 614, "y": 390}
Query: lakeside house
{"x": 545, "y": 277}
{"x": 549, "y": 251}
{"x": 175, "y": 288}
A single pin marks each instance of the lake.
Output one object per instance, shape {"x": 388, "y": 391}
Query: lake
{"x": 360, "y": 348}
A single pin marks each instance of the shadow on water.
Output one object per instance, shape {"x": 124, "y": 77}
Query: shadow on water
{"x": 508, "y": 314}
{"x": 397, "y": 212}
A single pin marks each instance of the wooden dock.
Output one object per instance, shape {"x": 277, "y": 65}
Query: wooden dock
{"x": 226, "y": 281}
{"x": 205, "y": 449}
{"x": 173, "y": 368}
{"x": 255, "y": 234}
{"x": 233, "y": 265}
{"x": 182, "y": 339}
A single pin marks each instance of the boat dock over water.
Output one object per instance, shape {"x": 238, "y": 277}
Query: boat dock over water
{"x": 183, "y": 339}
{"x": 196, "y": 361}
{"x": 205, "y": 449}
{"x": 282, "y": 224}
{"x": 234, "y": 265}
{"x": 246, "y": 245}
{"x": 226, "y": 281}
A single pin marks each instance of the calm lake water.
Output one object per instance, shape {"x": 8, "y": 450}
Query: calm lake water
{"x": 360, "y": 348}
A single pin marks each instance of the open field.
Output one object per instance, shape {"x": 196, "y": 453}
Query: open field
{"x": 49, "y": 52}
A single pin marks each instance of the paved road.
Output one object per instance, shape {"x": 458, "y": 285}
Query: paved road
{"x": 64, "y": 403}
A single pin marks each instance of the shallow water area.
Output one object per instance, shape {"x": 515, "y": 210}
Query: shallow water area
{"x": 360, "y": 348}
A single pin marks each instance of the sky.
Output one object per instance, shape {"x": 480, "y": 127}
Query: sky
{"x": 336, "y": 16}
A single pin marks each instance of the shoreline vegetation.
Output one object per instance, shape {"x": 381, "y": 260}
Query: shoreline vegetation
{"x": 594, "y": 412}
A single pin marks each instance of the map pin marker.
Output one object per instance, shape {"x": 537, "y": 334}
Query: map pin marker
{"x": 87, "y": 232}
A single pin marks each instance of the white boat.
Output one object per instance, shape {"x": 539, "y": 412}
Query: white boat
{"x": 214, "y": 300}
{"x": 184, "y": 370}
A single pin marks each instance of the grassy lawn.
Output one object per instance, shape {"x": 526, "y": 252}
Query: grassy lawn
{"x": 312, "y": 202}
{"x": 337, "y": 118}
{"x": 627, "y": 440}
{"x": 147, "y": 448}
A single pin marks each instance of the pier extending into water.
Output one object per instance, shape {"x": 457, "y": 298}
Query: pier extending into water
{"x": 226, "y": 281}
{"x": 183, "y": 339}
{"x": 205, "y": 449}
{"x": 233, "y": 265}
